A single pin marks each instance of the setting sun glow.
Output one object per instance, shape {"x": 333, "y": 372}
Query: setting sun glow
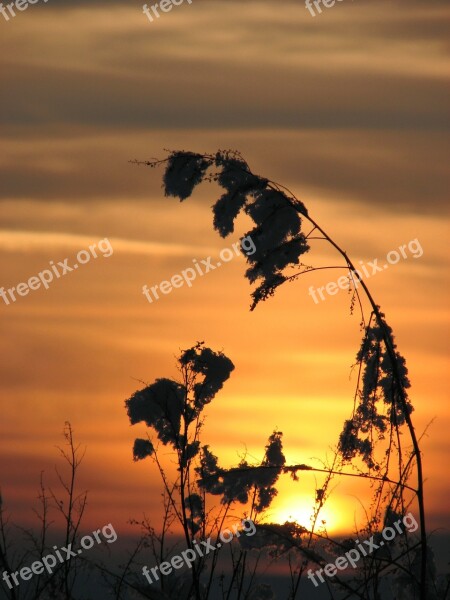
{"x": 299, "y": 508}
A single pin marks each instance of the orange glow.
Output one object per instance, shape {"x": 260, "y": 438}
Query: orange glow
{"x": 333, "y": 107}
{"x": 300, "y": 510}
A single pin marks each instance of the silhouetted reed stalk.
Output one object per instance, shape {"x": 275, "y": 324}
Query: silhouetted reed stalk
{"x": 277, "y": 214}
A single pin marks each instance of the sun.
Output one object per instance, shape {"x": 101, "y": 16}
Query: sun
{"x": 300, "y": 509}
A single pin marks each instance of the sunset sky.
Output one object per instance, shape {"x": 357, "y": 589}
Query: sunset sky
{"x": 348, "y": 109}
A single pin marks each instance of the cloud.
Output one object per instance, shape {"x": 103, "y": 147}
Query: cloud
{"x": 30, "y": 241}
{"x": 350, "y": 106}
{"x": 398, "y": 171}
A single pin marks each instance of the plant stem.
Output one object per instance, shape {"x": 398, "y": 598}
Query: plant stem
{"x": 404, "y": 405}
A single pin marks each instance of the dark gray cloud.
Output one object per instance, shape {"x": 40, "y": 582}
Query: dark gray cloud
{"x": 400, "y": 171}
{"x": 192, "y": 96}
{"x": 354, "y": 107}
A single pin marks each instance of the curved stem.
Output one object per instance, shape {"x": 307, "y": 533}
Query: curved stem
{"x": 403, "y": 402}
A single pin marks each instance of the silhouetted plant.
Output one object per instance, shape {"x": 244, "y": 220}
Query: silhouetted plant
{"x": 372, "y": 435}
{"x": 70, "y": 505}
{"x": 174, "y": 412}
